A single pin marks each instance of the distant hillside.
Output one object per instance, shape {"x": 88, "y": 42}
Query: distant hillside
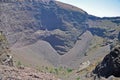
{"x": 55, "y": 33}
{"x": 60, "y": 24}
{"x": 105, "y": 27}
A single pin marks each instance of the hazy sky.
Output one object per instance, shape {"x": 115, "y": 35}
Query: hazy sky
{"x": 101, "y": 8}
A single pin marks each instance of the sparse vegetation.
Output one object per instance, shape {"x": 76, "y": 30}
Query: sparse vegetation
{"x": 58, "y": 71}
{"x": 41, "y": 37}
{"x": 78, "y": 78}
{"x": 19, "y": 64}
{"x": 69, "y": 70}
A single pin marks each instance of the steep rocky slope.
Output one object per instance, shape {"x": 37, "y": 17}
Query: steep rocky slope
{"x": 107, "y": 68}
{"x": 38, "y": 54}
{"x": 51, "y": 32}
{"x": 42, "y": 30}
{"x": 26, "y": 21}
{"x": 8, "y": 71}
{"x": 74, "y": 56}
{"x": 106, "y": 27}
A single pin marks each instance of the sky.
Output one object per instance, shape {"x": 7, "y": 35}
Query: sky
{"x": 100, "y": 8}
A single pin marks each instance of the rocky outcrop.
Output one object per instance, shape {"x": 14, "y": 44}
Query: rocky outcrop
{"x": 5, "y": 57}
{"x": 110, "y": 64}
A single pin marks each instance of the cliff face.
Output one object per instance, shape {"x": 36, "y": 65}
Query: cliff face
{"x": 40, "y": 31}
{"x": 36, "y": 24}
{"x": 27, "y": 21}
{"x": 104, "y": 27}
{"x": 23, "y": 21}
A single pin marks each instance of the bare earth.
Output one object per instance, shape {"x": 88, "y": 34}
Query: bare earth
{"x": 13, "y": 73}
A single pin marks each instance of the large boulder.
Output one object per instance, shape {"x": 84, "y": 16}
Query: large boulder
{"x": 110, "y": 64}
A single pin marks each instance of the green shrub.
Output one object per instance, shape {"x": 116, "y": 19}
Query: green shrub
{"x": 56, "y": 71}
{"x": 78, "y": 78}
{"x": 69, "y": 70}
{"x": 19, "y": 64}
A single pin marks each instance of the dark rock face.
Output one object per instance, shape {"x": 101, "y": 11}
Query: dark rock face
{"x": 110, "y": 64}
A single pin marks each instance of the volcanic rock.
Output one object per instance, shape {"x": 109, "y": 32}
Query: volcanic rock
{"x": 110, "y": 64}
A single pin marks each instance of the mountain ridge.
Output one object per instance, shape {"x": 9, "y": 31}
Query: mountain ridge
{"x": 53, "y": 36}
{"x": 59, "y": 25}
{"x": 27, "y": 22}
